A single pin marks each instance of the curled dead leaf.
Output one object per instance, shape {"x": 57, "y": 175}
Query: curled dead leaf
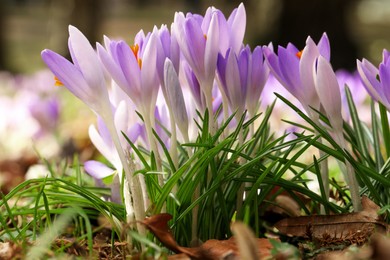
{"x": 211, "y": 249}
{"x": 351, "y": 228}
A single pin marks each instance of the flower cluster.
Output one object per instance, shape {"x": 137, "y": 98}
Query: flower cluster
{"x": 200, "y": 64}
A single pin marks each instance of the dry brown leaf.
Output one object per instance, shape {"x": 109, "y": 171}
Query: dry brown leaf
{"x": 329, "y": 229}
{"x": 211, "y": 249}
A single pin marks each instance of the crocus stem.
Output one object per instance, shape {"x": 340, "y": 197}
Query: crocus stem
{"x": 209, "y": 105}
{"x": 173, "y": 148}
{"x": 136, "y": 211}
{"x": 350, "y": 176}
{"x": 241, "y": 190}
{"x": 385, "y": 127}
{"x": 324, "y": 176}
{"x": 153, "y": 146}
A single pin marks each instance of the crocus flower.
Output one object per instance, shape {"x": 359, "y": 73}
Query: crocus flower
{"x": 294, "y": 69}
{"x": 134, "y": 69}
{"x": 328, "y": 90}
{"x": 85, "y": 78}
{"x": 376, "y": 81}
{"x": 233, "y": 73}
{"x": 231, "y": 30}
{"x": 199, "y": 42}
{"x": 243, "y": 77}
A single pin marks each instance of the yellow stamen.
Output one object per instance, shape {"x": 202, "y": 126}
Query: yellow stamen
{"x": 58, "y": 82}
{"x": 299, "y": 54}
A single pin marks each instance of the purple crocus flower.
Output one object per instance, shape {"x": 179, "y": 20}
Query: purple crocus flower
{"x": 233, "y": 72}
{"x": 198, "y": 39}
{"x": 134, "y": 69}
{"x": 243, "y": 77}
{"x": 376, "y": 81}
{"x": 294, "y": 69}
{"x": 84, "y": 77}
{"x": 231, "y": 30}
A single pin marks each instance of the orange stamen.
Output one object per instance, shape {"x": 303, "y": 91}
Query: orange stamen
{"x": 58, "y": 82}
{"x": 135, "y": 49}
{"x": 299, "y": 54}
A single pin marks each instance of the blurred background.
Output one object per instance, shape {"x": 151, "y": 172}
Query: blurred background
{"x": 356, "y": 28}
{"x": 38, "y": 120}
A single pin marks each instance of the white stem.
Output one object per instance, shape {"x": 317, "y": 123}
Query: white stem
{"x": 135, "y": 211}
{"x": 324, "y": 169}
{"x": 350, "y": 176}
{"x": 173, "y": 148}
{"x": 209, "y": 105}
{"x": 241, "y": 190}
{"x": 153, "y": 146}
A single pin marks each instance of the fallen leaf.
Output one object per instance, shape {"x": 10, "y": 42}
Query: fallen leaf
{"x": 351, "y": 228}
{"x": 211, "y": 249}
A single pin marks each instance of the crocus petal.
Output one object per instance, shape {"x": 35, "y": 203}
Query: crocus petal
{"x": 237, "y": 22}
{"x": 70, "y": 76}
{"x": 87, "y": 61}
{"x": 193, "y": 85}
{"x": 329, "y": 92}
{"x": 273, "y": 64}
{"x": 324, "y": 46}
{"x": 134, "y": 132}
{"x": 175, "y": 52}
{"x": 233, "y": 82}
{"x": 150, "y": 84}
{"x": 175, "y": 95}
{"x": 105, "y": 147}
{"x": 368, "y": 74}
{"x": 148, "y": 73}
{"x": 97, "y": 169}
{"x": 384, "y": 74}
{"x": 121, "y": 119}
{"x": 259, "y": 76}
{"x": 385, "y": 55}
{"x": 243, "y": 64}
{"x": 196, "y": 41}
{"x": 289, "y": 67}
{"x": 112, "y": 67}
{"x": 306, "y": 69}
{"x": 224, "y": 32}
{"x": 129, "y": 65}
{"x": 221, "y": 69}
{"x": 212, "y": 48}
